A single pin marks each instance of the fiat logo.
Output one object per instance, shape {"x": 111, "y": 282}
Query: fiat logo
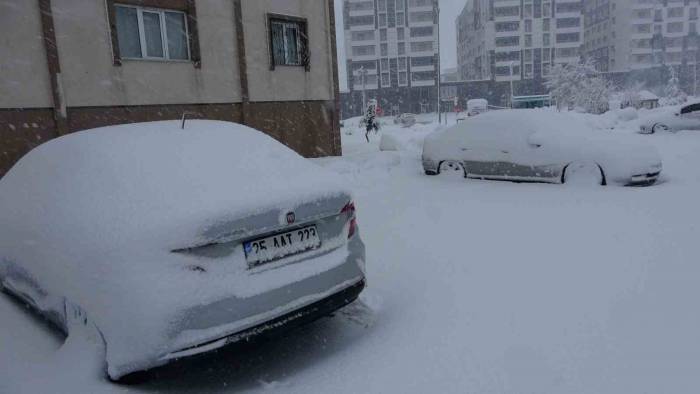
{"x": 291, "y": 217}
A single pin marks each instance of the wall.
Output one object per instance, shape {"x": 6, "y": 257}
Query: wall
{"x": 24, "y": 81}
{"x": 288, "y": 83}
{"x": 93, "y": 80}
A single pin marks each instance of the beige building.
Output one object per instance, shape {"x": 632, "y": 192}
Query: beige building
{"x": 68, "y": 65}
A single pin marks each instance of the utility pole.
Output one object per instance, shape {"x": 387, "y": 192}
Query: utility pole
{"x": 439, "y": 72}
{"x": 363, "y": 74}
{"x": 511, "y": 84}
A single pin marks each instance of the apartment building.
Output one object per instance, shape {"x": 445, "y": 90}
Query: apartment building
{"x": 626, "y": 35}
{"x": 517, "y": 40}
{"x": 391, "y": 50}
{"x": 70, "y": 65}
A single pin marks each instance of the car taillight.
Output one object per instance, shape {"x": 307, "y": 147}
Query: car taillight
{"x": 349, "y": 208}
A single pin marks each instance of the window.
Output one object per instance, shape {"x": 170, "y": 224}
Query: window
{"x": 422, "y": 16}
{"x": 507, "y": 11}
{"x": 145, "y": 33}
{"x": 382, "y": 34}
{"x": 384, "y": 64}
{"x": 363, "y": 20}
{"x": 545, "y": 24}
{"x": 507, "y": 56}
{"x": 527, "y": 55}
{"x": 507, "y": 26}
{"x": 423, "y": 76}
{"x": 527, "y": 10}
{"x": 426, "y": 31}
{"x": 568, "y": 7}
{"x": 288, "y": 42}
{"x": 568, "y": 22}
{"x": 567, "y": 37}
{"x": 361, "y": 6}
{"x": 386, "y": 81}
{"x": 507, "y": 41}
{"x": 646, "y": 28}
{"x": 400, "y": 34}
{"x": 400, "y": 19}
{"x": 422, "y": 61}
{"x": 403, "y": 78}
{"x": 545, "y": 40}
{"x": 363, "y": 35}
{"x": 424, "y": 46}
{"x": 693, "y": 13}
{"x": 675, "y": 27}
{"x": 675, "y": 12}
{"x": 364, "y": 50}
{"x": 384, "y": 49}
{"x": 528, "y": 25}
{"x": 566, "y": 52}
{"x": 402, "y": 63}
{"x": 528, "y": 40}
{"x": 402, "y": 48}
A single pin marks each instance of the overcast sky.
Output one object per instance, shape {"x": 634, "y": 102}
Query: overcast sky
{"x": 449, "y": 9}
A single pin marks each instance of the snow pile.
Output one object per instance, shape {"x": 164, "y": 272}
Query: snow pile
{"x": 389, "y": 142}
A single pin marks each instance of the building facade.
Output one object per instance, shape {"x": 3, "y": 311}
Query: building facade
{"x": 69, "y": 65}
{"x": 517, "y": 40}
{"x": 627, "y": 35}
{"x": 391, "y": 51}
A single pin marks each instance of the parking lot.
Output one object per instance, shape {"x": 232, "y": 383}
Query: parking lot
{"x": 474, "y": 286}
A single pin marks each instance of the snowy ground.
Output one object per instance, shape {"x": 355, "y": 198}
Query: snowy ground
{"x": 474, "y": 286}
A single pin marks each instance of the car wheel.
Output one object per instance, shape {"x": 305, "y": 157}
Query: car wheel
{"x": 583, "y": 173}
{"x": 451, "y": 168}
{"x": 659, "y": 128}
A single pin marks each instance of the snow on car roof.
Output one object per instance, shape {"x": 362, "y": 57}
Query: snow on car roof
{"x": 521, "y": 121}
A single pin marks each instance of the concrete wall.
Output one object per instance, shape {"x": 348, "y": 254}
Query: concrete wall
{"x": 288, "y": 83}
{"x": 24, "y": 81}
{"x": 91, "y": 79}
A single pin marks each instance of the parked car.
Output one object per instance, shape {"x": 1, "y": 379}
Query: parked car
{"x": 539, "y": 146}
{"x": 477, "y": 106}
{"x": 167, "y": 243}
{"x": 685, "y": 117}
{"x": 405, "y": 120}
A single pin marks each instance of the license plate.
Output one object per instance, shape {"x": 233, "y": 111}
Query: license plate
{"x": 264, "y": 250}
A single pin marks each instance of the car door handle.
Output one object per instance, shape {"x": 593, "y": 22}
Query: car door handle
{"x": 465, "y": 149}
{"x": 504, "y": 151}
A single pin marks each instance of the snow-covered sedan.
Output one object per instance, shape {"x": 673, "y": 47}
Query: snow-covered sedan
{"x": 539, "y": 146}
{"x": 685, "y": 117}
{"x": 167, "y": 243}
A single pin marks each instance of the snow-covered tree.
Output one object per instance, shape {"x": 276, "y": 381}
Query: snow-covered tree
{"x": 672, "y": 92}
{"x": 630, "y": 96}
{"x": 578, "y": 85}
{"x": 594, "y": 94}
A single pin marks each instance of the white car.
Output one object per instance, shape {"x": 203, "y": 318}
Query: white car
{"x": 539, "y": 146}
{"x": 477, "y": 106}
{"x": 685, "y": 117}
{"x": 166, "y": 243}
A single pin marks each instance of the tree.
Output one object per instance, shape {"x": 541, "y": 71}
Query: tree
{"x": 672, "y": 92}
{"x": 578, "y": 85}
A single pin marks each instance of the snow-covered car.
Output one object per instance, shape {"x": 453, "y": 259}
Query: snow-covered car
{"x": 477, "y": 106}
{"x": 686, "y": 117}
{"x": 405, "y": 120}
{"x": 539, "y": 146}
{"x": 167, "y": 243}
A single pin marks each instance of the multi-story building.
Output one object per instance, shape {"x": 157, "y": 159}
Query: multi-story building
{"x": 394, "y": 43}
{"x": 70, "y": 65}
{"x": 517, "y": 39}
{"x": 625, "y": 35}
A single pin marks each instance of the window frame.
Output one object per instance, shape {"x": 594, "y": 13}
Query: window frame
{"x": 163, "y": 33}
{"x": 187, "y": 7}
{"x": 302, "y": 40}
